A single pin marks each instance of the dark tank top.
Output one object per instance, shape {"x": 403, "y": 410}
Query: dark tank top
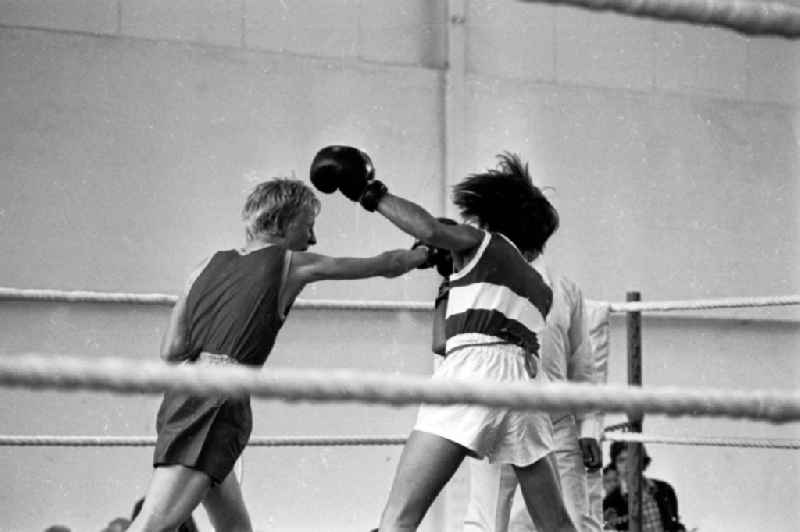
{"x": 232, "y": 306}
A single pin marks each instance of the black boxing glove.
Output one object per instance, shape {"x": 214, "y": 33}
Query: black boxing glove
{"x": 349, "y": 170}
{"x": 437, "y": 257}
{"x": 341, "y": 168}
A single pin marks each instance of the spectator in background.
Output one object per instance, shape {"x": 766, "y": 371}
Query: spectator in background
{"x": 610, "y": 483}
{"x": 610, "y": 479}
{"x": 659, "y": 502}
{"x": 57, "y": 528}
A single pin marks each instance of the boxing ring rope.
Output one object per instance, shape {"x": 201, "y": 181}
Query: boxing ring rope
{"x": 704, "y": 304}
{"x": 127, "y": 376}
{"x": 37, "y": 371}
{"x": 718, "y": 441}
{"x": 149, "y": 441}
{"x": 347, "y": 441}
{"x": 749, "y": 18}
{"x": 88, "y": 296}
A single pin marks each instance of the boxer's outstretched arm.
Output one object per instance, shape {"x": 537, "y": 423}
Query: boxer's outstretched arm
{"x": 310, "y": 267}
{"x": 306, "y": 267}
{"x": 422, "y": 225}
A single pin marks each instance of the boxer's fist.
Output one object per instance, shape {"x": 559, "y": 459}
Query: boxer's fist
{"x": 440, "y": 258}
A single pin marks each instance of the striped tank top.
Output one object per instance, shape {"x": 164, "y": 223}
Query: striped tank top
{"x": 497, "y": 296}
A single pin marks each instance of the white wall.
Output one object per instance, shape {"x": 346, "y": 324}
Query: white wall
{"x": 132, "y": 130}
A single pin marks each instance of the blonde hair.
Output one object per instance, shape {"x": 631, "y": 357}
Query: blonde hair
{"x": 273, "y": 204}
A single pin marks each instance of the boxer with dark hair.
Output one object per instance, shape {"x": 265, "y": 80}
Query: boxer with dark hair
{"x": 495, "y": 309}
{"x": 566, "y": 355}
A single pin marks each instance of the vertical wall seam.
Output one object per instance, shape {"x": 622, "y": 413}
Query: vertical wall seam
{"x": 748, "y": 78}
{"x": 243, "y": 24}
{"x": 653, "y": 56}
{"x": 455, "y": 75}
{"x": 119, "y": 17}
{"x": 555, "y": 43}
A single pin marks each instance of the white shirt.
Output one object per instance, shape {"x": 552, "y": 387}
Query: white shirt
{"x": 566, "y": 351}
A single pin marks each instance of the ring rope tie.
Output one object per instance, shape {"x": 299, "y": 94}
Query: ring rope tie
{"x": 747, "y": 17}
{"x": 87, "y": 296}
{"x": 126, "y": 376}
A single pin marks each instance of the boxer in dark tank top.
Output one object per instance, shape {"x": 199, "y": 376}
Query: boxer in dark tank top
{"x": 230, "y": 313}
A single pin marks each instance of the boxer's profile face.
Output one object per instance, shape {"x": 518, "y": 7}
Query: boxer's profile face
{"x": 299, "y": 233}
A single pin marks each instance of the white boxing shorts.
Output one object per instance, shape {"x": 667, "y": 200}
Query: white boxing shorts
{"x": 500, "y": 434}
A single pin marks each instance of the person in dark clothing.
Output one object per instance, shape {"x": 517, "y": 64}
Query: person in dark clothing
{"x": 230, "y": 313}
{"x": 659, "y": 501}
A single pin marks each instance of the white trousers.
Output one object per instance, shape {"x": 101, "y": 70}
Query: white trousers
{"x": 492, "y": 506}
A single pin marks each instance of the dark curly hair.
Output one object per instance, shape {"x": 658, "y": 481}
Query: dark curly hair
{"x": 505, "y": 200}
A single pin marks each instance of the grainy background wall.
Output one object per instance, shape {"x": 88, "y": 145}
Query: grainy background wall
{"x": 131, "y": 131}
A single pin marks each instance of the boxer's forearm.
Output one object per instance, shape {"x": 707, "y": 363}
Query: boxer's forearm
{"x": 408, "y": 217}
{"x": 422, "y": 225}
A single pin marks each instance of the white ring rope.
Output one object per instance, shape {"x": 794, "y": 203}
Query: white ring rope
{"x": 748, "y": 17}
{"x": 339, "y": 441}
{"x": 126, "y": 376}
{"x": 702, "y": 304}
{"x": 89, "y": 296}
{"x": 715, "y": 441}
{"x": 86, "y": 296}
{"x": 145, "y": 441}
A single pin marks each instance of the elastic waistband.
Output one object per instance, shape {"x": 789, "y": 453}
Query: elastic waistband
{"x": 461, "y": 341}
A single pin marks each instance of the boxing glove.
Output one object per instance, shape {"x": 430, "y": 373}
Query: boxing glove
{"x": 440, "y": 258}
{"x": 349, "y": 170}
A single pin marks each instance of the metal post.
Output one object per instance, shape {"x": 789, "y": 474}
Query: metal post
{"x": 635, "y": 455}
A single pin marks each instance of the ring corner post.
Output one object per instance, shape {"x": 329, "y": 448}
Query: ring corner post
{"x": 635, "y": 454}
